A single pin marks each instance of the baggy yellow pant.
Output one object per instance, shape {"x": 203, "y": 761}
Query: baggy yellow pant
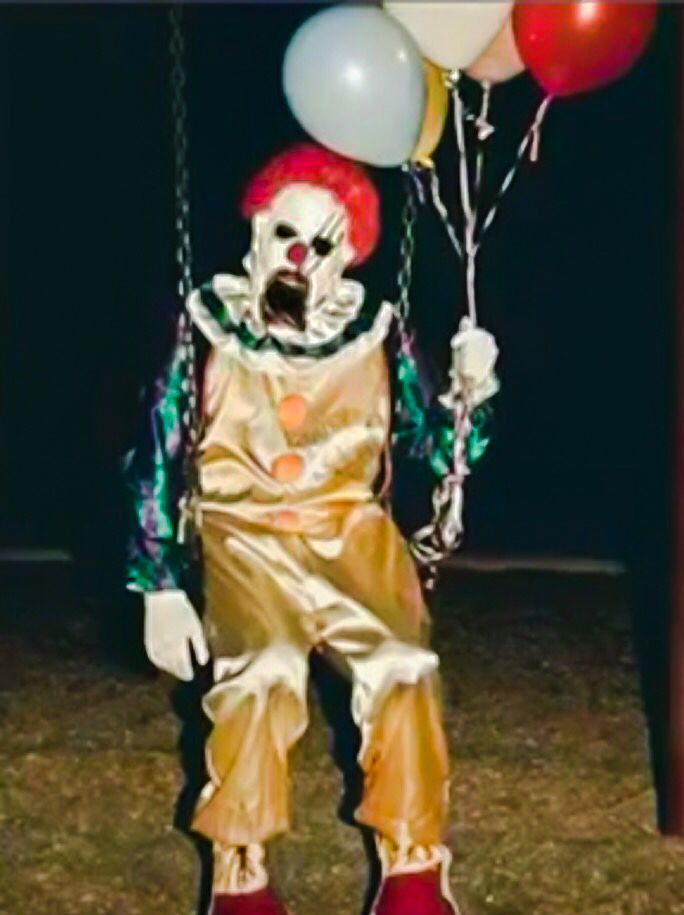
{"x": 271, "y": 597}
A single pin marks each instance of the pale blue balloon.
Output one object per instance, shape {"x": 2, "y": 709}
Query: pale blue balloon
{"x": 354, "y": 80}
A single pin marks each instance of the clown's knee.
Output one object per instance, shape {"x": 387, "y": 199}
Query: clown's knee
{"x": 277, "y": 669}
{"x": 391, "y": 664}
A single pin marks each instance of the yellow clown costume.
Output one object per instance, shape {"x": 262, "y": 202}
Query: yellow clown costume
{"x": 299, "y": 555}
{"x": 299, "y": 551}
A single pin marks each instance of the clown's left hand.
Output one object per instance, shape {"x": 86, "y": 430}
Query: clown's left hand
{"x": 473, "y": 356}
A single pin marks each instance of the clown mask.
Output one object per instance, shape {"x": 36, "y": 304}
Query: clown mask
{"x": 312, "y": 214}
{"x": 300, "y": 249}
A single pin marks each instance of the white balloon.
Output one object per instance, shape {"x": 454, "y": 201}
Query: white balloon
{"x": 355, "y": 81}
{"x": 451, "y": 33}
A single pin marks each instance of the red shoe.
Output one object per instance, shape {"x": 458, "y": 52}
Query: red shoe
{"x": 262, "y": 902}
{"x": 413, "y": 894}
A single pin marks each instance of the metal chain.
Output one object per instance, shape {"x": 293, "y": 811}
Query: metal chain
{"x": 443, "y": 534}
{"x": 407, "y": 249}
{"x": 179, "y": 112}
{"x": 427, "y": 545}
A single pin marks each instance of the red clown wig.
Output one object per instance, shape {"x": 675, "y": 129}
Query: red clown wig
{"x": 309, "y": 164}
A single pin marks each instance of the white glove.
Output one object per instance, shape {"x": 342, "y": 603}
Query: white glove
{"x": 171, "y": 626}
{"x": 473, "y": 356}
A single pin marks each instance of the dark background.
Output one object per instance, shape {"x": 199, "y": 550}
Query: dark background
{"x": 577, "y": 274}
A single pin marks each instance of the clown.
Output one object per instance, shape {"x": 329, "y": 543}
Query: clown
{"x": 299, "y": 551}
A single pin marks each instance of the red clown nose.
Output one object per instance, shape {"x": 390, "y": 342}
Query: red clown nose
{"x": 296, "y": 253}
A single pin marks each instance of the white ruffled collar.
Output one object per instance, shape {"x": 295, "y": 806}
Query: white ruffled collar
{"x": 233, "y": 292}
{"x": 326, "y": 322}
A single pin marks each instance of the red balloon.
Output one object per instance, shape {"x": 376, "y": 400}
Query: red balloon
{"x": 576, "y": 45}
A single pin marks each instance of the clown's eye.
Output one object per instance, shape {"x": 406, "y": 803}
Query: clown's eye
{"x": 283, "y": 230}
{"x": 322, "y": 246}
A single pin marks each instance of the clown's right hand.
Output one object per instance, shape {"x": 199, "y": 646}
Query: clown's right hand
{"x": 171, "y": 627}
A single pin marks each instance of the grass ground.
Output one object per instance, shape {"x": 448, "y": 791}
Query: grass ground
{"x": 552, "y": 807}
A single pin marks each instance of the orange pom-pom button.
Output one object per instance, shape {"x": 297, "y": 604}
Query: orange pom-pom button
{"x": 287, "y": 468}
{"x": 286, "y": 521}
{"x": 292, "y": 412}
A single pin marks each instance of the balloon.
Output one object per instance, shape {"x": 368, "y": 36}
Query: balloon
{"x": 451, "y": 33}
{"x": 436, "y": 108}
{"x": 354, "y": 79}
{"x": 581, "y": 44}
{"x": 501, "y": 60}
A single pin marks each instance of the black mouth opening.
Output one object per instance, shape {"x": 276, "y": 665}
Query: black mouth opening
{"x": 284, "y": 301}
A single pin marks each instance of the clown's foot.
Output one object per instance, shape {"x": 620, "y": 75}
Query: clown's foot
{"x": 240, "y": 885}
{"x": 260, "y": 902}
{"x": 413, "y": 894}
{"x": 415, "y": 881}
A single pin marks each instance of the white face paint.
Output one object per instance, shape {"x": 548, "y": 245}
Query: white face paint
{"x": 300, "y": 246}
